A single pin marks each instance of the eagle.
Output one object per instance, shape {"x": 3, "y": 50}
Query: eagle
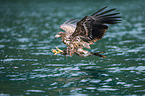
{"x": 80, "y": 34}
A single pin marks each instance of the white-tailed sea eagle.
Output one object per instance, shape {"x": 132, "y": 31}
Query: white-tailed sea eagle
{"x": 83, "y": 33}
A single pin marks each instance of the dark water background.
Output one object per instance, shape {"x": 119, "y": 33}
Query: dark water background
{"x": 28, "y": 67}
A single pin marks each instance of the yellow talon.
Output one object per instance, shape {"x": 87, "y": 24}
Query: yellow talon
{"x": 59, "y": 50}
{"x": 56, "y": 52}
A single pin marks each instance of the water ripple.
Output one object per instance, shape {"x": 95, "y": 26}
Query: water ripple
{"x": 11, "y": 59}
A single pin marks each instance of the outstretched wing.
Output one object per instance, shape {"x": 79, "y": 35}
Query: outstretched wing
{"x": 69, "y": 26}
{"x": 92, "y": 28}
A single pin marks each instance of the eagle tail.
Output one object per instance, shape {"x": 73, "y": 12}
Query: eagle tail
{"x": 106, "y": 17}
{"x": 97, "y": 54}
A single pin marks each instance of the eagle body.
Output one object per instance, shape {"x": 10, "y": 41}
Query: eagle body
{"x": 82, "y": 33}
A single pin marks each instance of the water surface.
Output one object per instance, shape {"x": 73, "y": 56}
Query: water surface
{"x": 28, "y": 67}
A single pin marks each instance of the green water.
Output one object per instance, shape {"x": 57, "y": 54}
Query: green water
{"x": 28, "y": 67}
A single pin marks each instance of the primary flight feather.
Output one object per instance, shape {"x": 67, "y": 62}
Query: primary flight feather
{"x": 83, "y": 33}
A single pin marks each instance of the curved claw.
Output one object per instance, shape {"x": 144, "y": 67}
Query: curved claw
{"x": 57, "y": 52}
{"x": 54, "y": 51}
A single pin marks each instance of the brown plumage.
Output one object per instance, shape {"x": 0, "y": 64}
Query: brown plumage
{"x": 84, "y": 32}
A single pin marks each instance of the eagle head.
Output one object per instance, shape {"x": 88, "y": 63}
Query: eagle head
{"x": 59, "y": 34}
